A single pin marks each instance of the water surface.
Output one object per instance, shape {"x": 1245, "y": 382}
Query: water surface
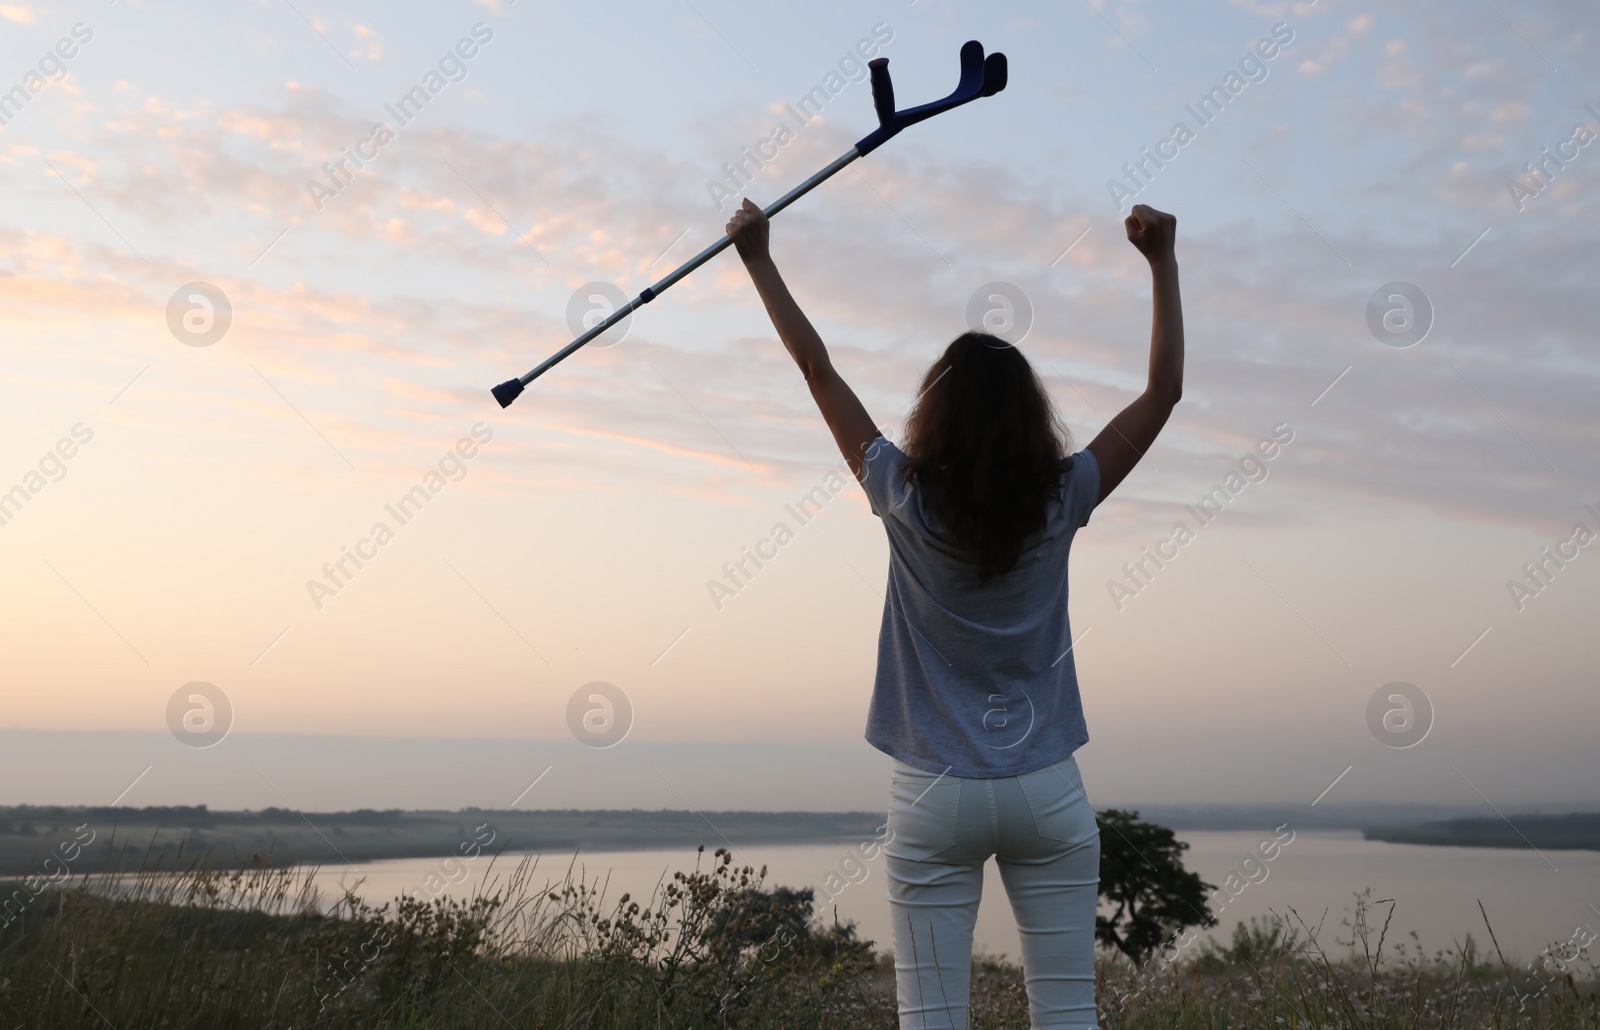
{"x": 1530, "y": 901}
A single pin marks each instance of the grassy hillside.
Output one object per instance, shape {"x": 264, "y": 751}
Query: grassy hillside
{"x": 196, "y": 949}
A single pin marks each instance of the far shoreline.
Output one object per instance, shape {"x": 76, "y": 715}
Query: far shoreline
{"x": 104, "y": 838}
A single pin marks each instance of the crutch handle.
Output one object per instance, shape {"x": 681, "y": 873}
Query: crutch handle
{"x": 882, "y": 92}
{"x": 979, "y": 78}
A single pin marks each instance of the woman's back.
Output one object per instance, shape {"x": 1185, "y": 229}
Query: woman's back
{"x": 975, "y": 676}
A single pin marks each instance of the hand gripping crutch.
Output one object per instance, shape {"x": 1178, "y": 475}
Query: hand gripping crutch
{"x": 980, "y": 77}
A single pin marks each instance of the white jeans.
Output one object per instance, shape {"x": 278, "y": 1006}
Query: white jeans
{"x": 1041, "y": 830}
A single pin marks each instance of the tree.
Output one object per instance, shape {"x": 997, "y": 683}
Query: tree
{"x": 1142, "y": 875}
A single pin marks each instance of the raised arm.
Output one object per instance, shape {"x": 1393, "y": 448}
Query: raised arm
{"x": 1126, "y": 438}
{"x": 852, "y": 427}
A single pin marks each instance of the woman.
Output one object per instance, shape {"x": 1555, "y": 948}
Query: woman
{"x": 976, "y": 697}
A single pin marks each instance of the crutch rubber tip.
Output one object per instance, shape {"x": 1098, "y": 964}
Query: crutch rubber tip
{"x": 507, "y": 392}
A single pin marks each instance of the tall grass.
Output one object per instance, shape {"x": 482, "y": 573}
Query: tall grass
{"x": 193, "y": 946}
{"x": 1285, "y": 972}
{"x": 190, "y": 946}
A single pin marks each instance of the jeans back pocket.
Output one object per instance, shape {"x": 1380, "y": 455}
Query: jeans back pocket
{"x": 1061, "y": 809}
{"x": 922, "y": 813}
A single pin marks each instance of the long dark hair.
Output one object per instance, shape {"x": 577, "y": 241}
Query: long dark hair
{"x": 984, "y": 445}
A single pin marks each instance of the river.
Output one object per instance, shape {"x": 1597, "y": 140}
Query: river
{"x": 1531, "y": 900}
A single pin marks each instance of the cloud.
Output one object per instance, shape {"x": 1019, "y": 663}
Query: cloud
{"x": 886, "y": 260}
{"x": 370, "y": 47}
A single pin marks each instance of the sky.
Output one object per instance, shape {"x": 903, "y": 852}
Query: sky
{"x": 226, "y": 359}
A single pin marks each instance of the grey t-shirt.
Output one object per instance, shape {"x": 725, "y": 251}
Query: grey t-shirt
{"x": 976, "y": 680}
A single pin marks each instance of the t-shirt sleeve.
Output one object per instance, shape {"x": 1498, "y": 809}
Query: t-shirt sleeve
{"x": 1082, "y": 490}
{"x": 884, "y": 480}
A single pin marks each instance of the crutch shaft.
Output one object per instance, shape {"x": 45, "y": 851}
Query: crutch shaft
{"x": 656, "y": 290}
{"x": 980, "y": 77}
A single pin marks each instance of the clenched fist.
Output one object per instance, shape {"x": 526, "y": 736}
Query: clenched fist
{"x": 748, "y": 230}
{"x": 1152, "y": 232}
